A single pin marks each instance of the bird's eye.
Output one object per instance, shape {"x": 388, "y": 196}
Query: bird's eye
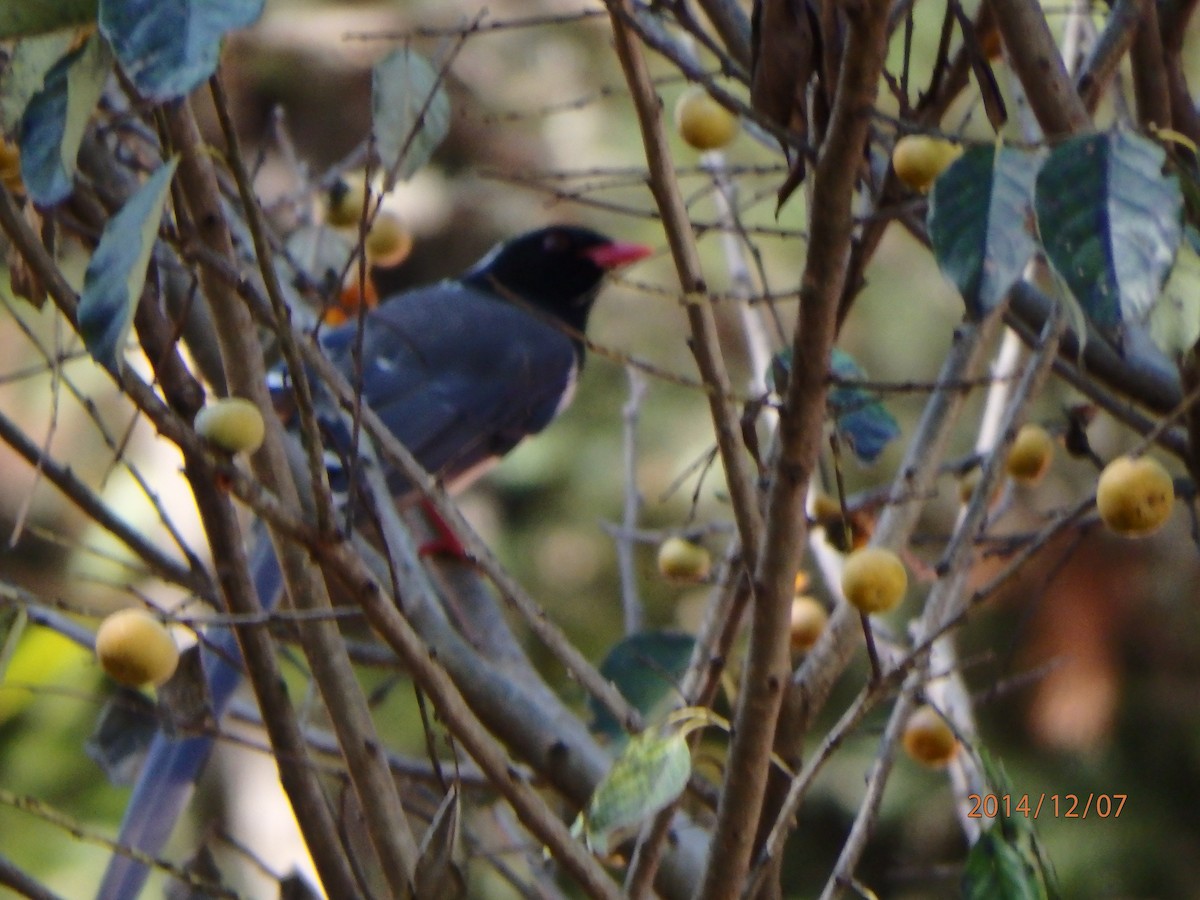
{"x": 556, "y": 242}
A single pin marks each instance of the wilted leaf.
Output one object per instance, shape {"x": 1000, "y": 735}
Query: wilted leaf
{"x": 785, "y": 57}
{"x": 410, "y": 113}
{"x": 113, "y": 282}
{"x": 168, "y": 48}
{"x": 651, "y": 772}
{"x": 1110, "y": 223}
{"x": 23, "y": 18}
{"x": 979, "y": 213}
{"x": 646, "y": 668}
{"x": 438, "y": 873}
{"x": 55, "y": 118}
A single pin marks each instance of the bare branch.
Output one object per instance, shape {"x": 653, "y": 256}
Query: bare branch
{"x": 324, "y": 649}
{"x": 1040, "y": 68}
{"x": 800, "y": 432}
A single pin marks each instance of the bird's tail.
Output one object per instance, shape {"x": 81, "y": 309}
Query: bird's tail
{"x": 173, "y": 764}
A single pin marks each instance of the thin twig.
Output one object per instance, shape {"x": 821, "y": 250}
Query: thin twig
{"x": 631, "y": 604}
{"x": 947, "y": 598}
{"x": 324, "y": 649}
{"x": 705, "y": 343}
{"x": 195, "y": 579}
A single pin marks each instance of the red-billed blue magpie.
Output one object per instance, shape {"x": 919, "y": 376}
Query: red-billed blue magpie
{"x": 460, "y": 371}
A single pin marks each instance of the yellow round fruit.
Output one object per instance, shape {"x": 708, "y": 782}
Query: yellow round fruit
{"x": 1134, "y": 496}
{"x": 874, "y": 580}
{"x": 809, "y": 619}
{"x": 345, "y": 201}
{"x": 1030, "y": 455}
{"x": 928, "y": 738}
{"x": 135, "y": 648}
{"x": 703, "y": 122}
{"x": 388, "y": 241}
{"x": 233, "y": 424}
{"x": 919, "y": 159}
{"x": 682, "y": 560}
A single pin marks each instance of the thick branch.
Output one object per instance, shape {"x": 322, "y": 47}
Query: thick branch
{"x": 1039, "y": 66}
{"x": 731, "y": 23}
{"x": 1173, "y": 24}
{"x": 1151, "y": 84}
{"x": 323, "y": 646}
{"x": 800, "y": 429}
{"x": 1111, "y": 46}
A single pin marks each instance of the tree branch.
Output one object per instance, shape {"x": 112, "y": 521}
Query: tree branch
{"x": 1039, "y": 66}
{"x": 300, "y": 780}
{"x": 944, "y": 602}
{"x": 320, "y": 638}
{"x": 705, "y": 342}
{"x": 1124, "y": 21}
{"x": 801, "y": 426}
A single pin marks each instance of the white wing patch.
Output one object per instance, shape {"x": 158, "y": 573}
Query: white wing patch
{"x": 569, "y": 393}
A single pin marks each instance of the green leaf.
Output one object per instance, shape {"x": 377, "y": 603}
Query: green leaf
{"x": 646, "y": 668}
{"x": 25, "y": 74}
{"x": 24, "y": 18}
{"x": 410, "y": 113}
{"x": 979, "y": 212}
{"x": 1012, "y": 854}
{"x": 651, "y": 772}
{"x": 858, "y": 416}
{"x": 168, "y": 48}
{"x": 116, "y": 274}
{"x": 55, "y": 119}
{"x": 998, "y": 870}
{"x": 1110, "y": 223}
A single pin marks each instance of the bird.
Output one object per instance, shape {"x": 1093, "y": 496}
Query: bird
{"x": 460, "y": 371}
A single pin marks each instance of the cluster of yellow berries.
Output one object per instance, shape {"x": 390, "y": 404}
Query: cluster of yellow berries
{"x": 1134, "y": 495}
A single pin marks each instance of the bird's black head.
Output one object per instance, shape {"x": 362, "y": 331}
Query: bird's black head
{"x": 556, "y": 269}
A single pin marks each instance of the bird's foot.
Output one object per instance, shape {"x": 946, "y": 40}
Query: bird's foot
{"x": 445, "y": 542}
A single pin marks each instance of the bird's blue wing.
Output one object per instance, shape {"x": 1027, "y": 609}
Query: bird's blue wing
{"x": 459, "y": 377}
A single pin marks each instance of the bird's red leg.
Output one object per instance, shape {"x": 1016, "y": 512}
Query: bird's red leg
{"x": 445, "y": 542}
